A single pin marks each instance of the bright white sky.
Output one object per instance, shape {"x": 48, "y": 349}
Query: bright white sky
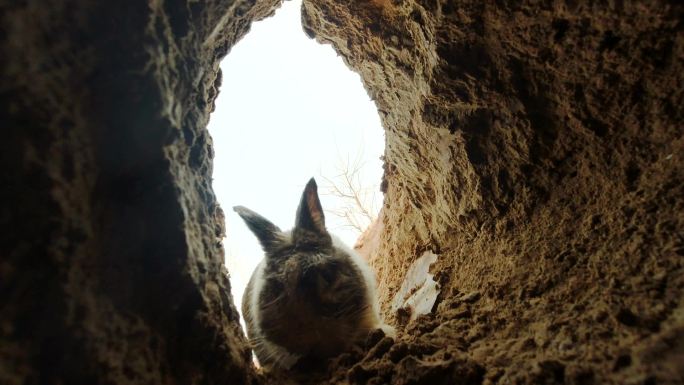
{"x": 289, "y": 109}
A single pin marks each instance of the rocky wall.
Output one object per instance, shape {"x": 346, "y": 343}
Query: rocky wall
{"x": 537, "y": 148}
{"x": 111, "y": 270}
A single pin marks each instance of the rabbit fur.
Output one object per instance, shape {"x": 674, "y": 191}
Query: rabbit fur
{"x": 311, "y": 295}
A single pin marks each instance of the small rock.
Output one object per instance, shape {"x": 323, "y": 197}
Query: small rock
{"x": 471, "y": 297}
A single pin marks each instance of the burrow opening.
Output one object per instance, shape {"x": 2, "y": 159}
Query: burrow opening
{"x": 259, "y": 76}
{"x": 320, "y": 123}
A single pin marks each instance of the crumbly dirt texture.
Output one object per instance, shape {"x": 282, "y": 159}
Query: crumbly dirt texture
{"x": 111, "y": 268}
{"x": 536, "y": 147}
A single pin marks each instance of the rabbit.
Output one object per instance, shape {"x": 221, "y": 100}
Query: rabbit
{"x": 311, "y": 296}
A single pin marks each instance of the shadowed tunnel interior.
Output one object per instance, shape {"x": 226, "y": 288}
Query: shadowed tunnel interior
{"x": 534, "y": 148}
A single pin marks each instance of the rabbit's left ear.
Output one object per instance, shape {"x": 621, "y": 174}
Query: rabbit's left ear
{"x": 268, "y": 234}
{"x": 310, "y": 213}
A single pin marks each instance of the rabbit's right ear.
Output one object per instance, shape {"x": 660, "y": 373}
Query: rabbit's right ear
{"x": 310, "y": 213}
{"x": 268, "y": 234}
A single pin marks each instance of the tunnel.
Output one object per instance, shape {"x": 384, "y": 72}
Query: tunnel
{"x": 533, "y": 149}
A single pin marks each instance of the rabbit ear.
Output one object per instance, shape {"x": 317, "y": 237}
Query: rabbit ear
{"x": 268, "y": 234}
{"x": 310, "y": 213}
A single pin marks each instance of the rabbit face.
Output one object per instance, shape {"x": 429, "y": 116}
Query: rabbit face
{"x": 323, "y": 278}
{"x": 312, "y": 303}
{"x": 311, "y": 295}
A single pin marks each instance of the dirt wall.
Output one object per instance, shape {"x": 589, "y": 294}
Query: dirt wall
{"x": 111, "y": 270}
{"x": 537, "y": 148}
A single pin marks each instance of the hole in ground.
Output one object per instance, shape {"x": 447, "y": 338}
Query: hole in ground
{"x": 290, "y": 109}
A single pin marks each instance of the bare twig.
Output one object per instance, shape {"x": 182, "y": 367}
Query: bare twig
{"x": 359, "y": 208}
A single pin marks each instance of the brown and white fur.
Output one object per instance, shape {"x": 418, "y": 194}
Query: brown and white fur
{"x": 311, "y": 296}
